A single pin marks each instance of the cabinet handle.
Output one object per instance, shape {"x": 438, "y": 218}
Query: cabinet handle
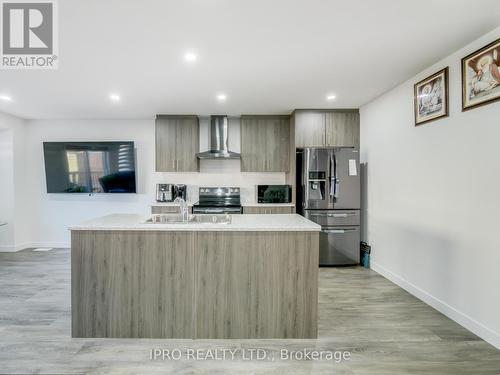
{"x": 173, "y": 164}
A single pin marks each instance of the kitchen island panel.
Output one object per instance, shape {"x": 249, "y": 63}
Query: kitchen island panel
{"x": 256, "y": 285}
{"x": 132, "y": 284}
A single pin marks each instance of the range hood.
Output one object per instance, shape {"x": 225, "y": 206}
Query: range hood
{"x": 218, "y": 140}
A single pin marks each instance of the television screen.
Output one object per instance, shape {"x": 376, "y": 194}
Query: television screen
{"x": 89, "y": 167}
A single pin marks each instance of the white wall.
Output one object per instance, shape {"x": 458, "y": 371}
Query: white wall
{"x": 51, "y": 214}
{"x": 21, "y": 211}
{"x": 433, "y": 200}
{"x": 12, "y": 182}
{"x": 6, "y": 189}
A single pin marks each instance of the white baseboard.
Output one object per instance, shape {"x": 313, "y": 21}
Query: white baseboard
{"x": 464, "y": 320}
{"x": 12, "y": 248}
{"x": 59, "y": 245}
{"x": 8, "y": 249}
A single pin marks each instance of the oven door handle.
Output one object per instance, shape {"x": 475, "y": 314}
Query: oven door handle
{"x": 214, "y": 210}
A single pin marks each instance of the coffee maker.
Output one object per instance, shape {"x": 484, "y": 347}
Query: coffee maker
{"x": 164, "y": 192}
{"x": 180, "y": 191}
{"x": 168, "y": 192}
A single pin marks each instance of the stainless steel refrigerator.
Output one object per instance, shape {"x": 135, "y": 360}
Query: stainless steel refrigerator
{"x": 328, "y": 193}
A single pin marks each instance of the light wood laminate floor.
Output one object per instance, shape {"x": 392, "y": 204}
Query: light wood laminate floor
{"x": 386, "y": 330}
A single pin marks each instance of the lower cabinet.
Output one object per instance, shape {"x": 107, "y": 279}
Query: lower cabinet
{"x": 194, "y": 284}
{"x": 268, "y": 210}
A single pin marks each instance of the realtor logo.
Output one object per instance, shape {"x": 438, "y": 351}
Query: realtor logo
{"x": 29, "y": 35}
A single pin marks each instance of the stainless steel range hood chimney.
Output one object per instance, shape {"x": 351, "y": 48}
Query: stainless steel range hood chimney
{"x": 218, "y": 140}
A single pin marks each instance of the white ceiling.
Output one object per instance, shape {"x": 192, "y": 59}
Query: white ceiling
{"x": 266, "y": 56}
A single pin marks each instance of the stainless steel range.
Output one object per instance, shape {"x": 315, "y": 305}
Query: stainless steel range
{"x": 218, "y": 200}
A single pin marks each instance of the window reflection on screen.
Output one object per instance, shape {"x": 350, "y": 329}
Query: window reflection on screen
{"x": 86, "y": 168}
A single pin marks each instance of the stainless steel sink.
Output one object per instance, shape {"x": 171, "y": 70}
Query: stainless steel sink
{"x": 192, "y": 219}
{"x": 210, "y": 219}
{"x": 165, "y": 219}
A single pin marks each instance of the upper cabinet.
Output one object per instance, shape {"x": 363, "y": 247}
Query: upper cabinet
{"x": 342, "y": 129}
{"x": 265, "y": 143}
{"x": 309, "y": 129}
{"x": 325, "y": 129}
{"x": 177, "y": 142}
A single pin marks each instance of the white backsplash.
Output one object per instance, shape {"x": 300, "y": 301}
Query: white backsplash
{"x": 230, "y": 176}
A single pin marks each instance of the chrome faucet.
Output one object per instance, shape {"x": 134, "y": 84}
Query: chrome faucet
{"x": 183, "y": 207}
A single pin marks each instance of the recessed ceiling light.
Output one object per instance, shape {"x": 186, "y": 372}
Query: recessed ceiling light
{"x": 6, "y": 98}
{"x": 221, "y": 97}
{"x": 330, "y": 97}
{"x": 115, "y": 97}
{"x": 190, "y": 57}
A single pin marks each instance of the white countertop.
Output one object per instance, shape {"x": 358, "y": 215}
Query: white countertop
{"x": 240, "y": 223}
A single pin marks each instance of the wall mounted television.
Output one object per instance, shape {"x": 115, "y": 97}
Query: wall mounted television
{"x": 90, "y": 167}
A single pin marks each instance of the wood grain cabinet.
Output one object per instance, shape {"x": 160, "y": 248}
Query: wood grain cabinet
{"x": 267, "y": 210}
{"x": 194, "y": 284}
{"x": 177, "y": 143}
{"x": 309, "y": 129}
{"x": 342, "y": 129}
{"x": 326, "y": 129}
{"x": 265, "y": 144}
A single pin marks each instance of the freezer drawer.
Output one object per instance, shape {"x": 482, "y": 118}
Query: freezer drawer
{"x": 329, "y": 218}
{"x": 339, "y": 246}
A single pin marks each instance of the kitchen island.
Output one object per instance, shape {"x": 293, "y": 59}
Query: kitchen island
{"x": 256, "y": 277}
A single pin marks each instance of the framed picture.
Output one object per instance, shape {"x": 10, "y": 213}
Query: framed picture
{"x": 481, "y": 76}
{"x": 431, "y": 98}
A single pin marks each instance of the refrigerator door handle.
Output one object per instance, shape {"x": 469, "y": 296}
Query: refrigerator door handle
{"x": 305, "y": 177}
{"x": 339, "y": 231}
{"x": 332, "y": 170}
{"x": 334, "y": 215}
{"x": 337, "y": 181}
{"x": 334, "y": 181}
{"x": 331, "y": 175}
{"x": 341, "y": 215}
